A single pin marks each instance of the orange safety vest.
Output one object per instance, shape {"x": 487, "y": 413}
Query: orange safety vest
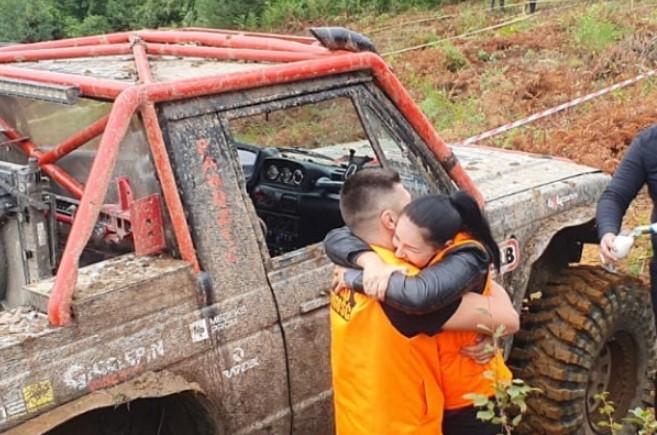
{"x": 383, "y": 382}
{"x": 459, "y": 374}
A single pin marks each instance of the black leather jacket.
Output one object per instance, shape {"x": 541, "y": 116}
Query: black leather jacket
{"x": 434, "y": 288}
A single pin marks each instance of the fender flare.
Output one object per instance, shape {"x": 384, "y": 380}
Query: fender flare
{"x": 148, "y": 385}
{"x": 536, "y": 246}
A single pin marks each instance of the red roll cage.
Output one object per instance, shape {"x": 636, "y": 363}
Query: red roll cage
{"x": 293, "y": 58}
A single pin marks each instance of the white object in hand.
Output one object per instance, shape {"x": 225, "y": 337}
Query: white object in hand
{"x": 622, "y": 246}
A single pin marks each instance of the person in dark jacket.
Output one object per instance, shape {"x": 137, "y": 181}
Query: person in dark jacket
{"x": 637, "y": 169}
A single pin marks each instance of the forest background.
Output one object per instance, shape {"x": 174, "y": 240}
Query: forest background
{"x": 38, "y": 20}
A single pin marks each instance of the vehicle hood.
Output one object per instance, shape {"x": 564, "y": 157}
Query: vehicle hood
{"x": 499, "y": 173}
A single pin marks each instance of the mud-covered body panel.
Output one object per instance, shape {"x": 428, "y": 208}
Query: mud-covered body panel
{"x": 499, "y": 173}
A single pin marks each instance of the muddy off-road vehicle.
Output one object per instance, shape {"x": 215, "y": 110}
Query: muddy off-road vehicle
{"x": 163, "y": 198}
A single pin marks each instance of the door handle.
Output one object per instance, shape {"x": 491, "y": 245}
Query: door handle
{"x": 314, "y": 304}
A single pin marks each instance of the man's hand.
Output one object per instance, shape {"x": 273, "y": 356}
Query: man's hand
{"x": 482, "y": 352}
{"x": 607, "y": 252}
{"x": 337, "y": 281}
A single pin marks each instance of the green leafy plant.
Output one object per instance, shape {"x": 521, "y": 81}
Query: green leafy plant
{"x": 595, "y": 31}
{"x": 644, "y": 420}
{"x": 509, "y": 404}
{"x": 641, "y": 418}
{"x": 607, "y": 409}
{"x": 454, "y": 59}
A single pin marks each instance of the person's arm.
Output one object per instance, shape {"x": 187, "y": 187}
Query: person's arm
{"x": 407, "y": 324}
{"x": 623, "y": 187}
{"x": 462, "y": 271}
{"x": 343, "y": 248}
{"x": 347, "y": 250}
{"x": 485, "y": 314}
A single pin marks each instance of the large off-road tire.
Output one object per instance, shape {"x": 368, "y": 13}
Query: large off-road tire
{"x": 591, "y": 331}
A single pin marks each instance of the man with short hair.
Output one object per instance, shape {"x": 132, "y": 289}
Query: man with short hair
{"x": 385, "y": 363}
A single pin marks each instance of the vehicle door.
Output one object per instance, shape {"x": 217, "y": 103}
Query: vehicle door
{"x": 310, "y": 138}
{"x": 244, "y": 369}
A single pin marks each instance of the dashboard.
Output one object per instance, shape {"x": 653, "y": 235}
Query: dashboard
{"x": 295, "y": 192}
{"x": 284, "y": 172}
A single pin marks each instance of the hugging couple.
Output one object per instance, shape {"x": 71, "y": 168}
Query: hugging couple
{"x": 412, "y": 290}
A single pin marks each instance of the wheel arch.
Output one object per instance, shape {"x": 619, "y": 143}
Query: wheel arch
{"x": 569, "y": 229}
{"x": 148, "y": 386}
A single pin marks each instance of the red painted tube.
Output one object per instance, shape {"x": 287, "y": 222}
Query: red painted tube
{"x": 227, "y": 41}
{"x": 59, "y": 175}
{"x": 163, "y": 165}
{"x": 141, "y": 61}
{"x": 91, "y": 203}
{"x": 64, "y": 218}
{"x": 62, "y": 178}
{"x": 64, "y": 53}
{"x": 74, "y": 142}
{"x": 169, "y": 188}
{"x": 230, "y": 53}
{"x": 283, "y": 73}
{"x": 294, "y": 38}
{"x": 91, "y": 87}
{"x": 112, "y": 38}
{"x": 128, "y": 101}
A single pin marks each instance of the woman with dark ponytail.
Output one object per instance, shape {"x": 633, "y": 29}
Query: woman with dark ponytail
{"x": 438, "y": 219}
{"x": 429, "y": 229}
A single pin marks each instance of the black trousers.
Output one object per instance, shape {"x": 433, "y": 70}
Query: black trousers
{"x": 464, "y": 422}
{"x": 653, "y": 279}
{"x": 653, "y": 293}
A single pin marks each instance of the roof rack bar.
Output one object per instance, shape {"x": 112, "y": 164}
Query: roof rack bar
{"x": 163, "y": 164}
{"x": 227, "y": 41}
{"x": 89, "y": 86}
{"x": 91, "y": 203}
{"x": 229, "y": 53}
{"x": 64, "y": 53}
{"x": 111, "y": 38}
{"x": 302, "y": 39}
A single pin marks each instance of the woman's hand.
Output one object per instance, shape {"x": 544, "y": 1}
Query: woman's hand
{"x": 376, "y": 274}
{"x": 375, "y": 279}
